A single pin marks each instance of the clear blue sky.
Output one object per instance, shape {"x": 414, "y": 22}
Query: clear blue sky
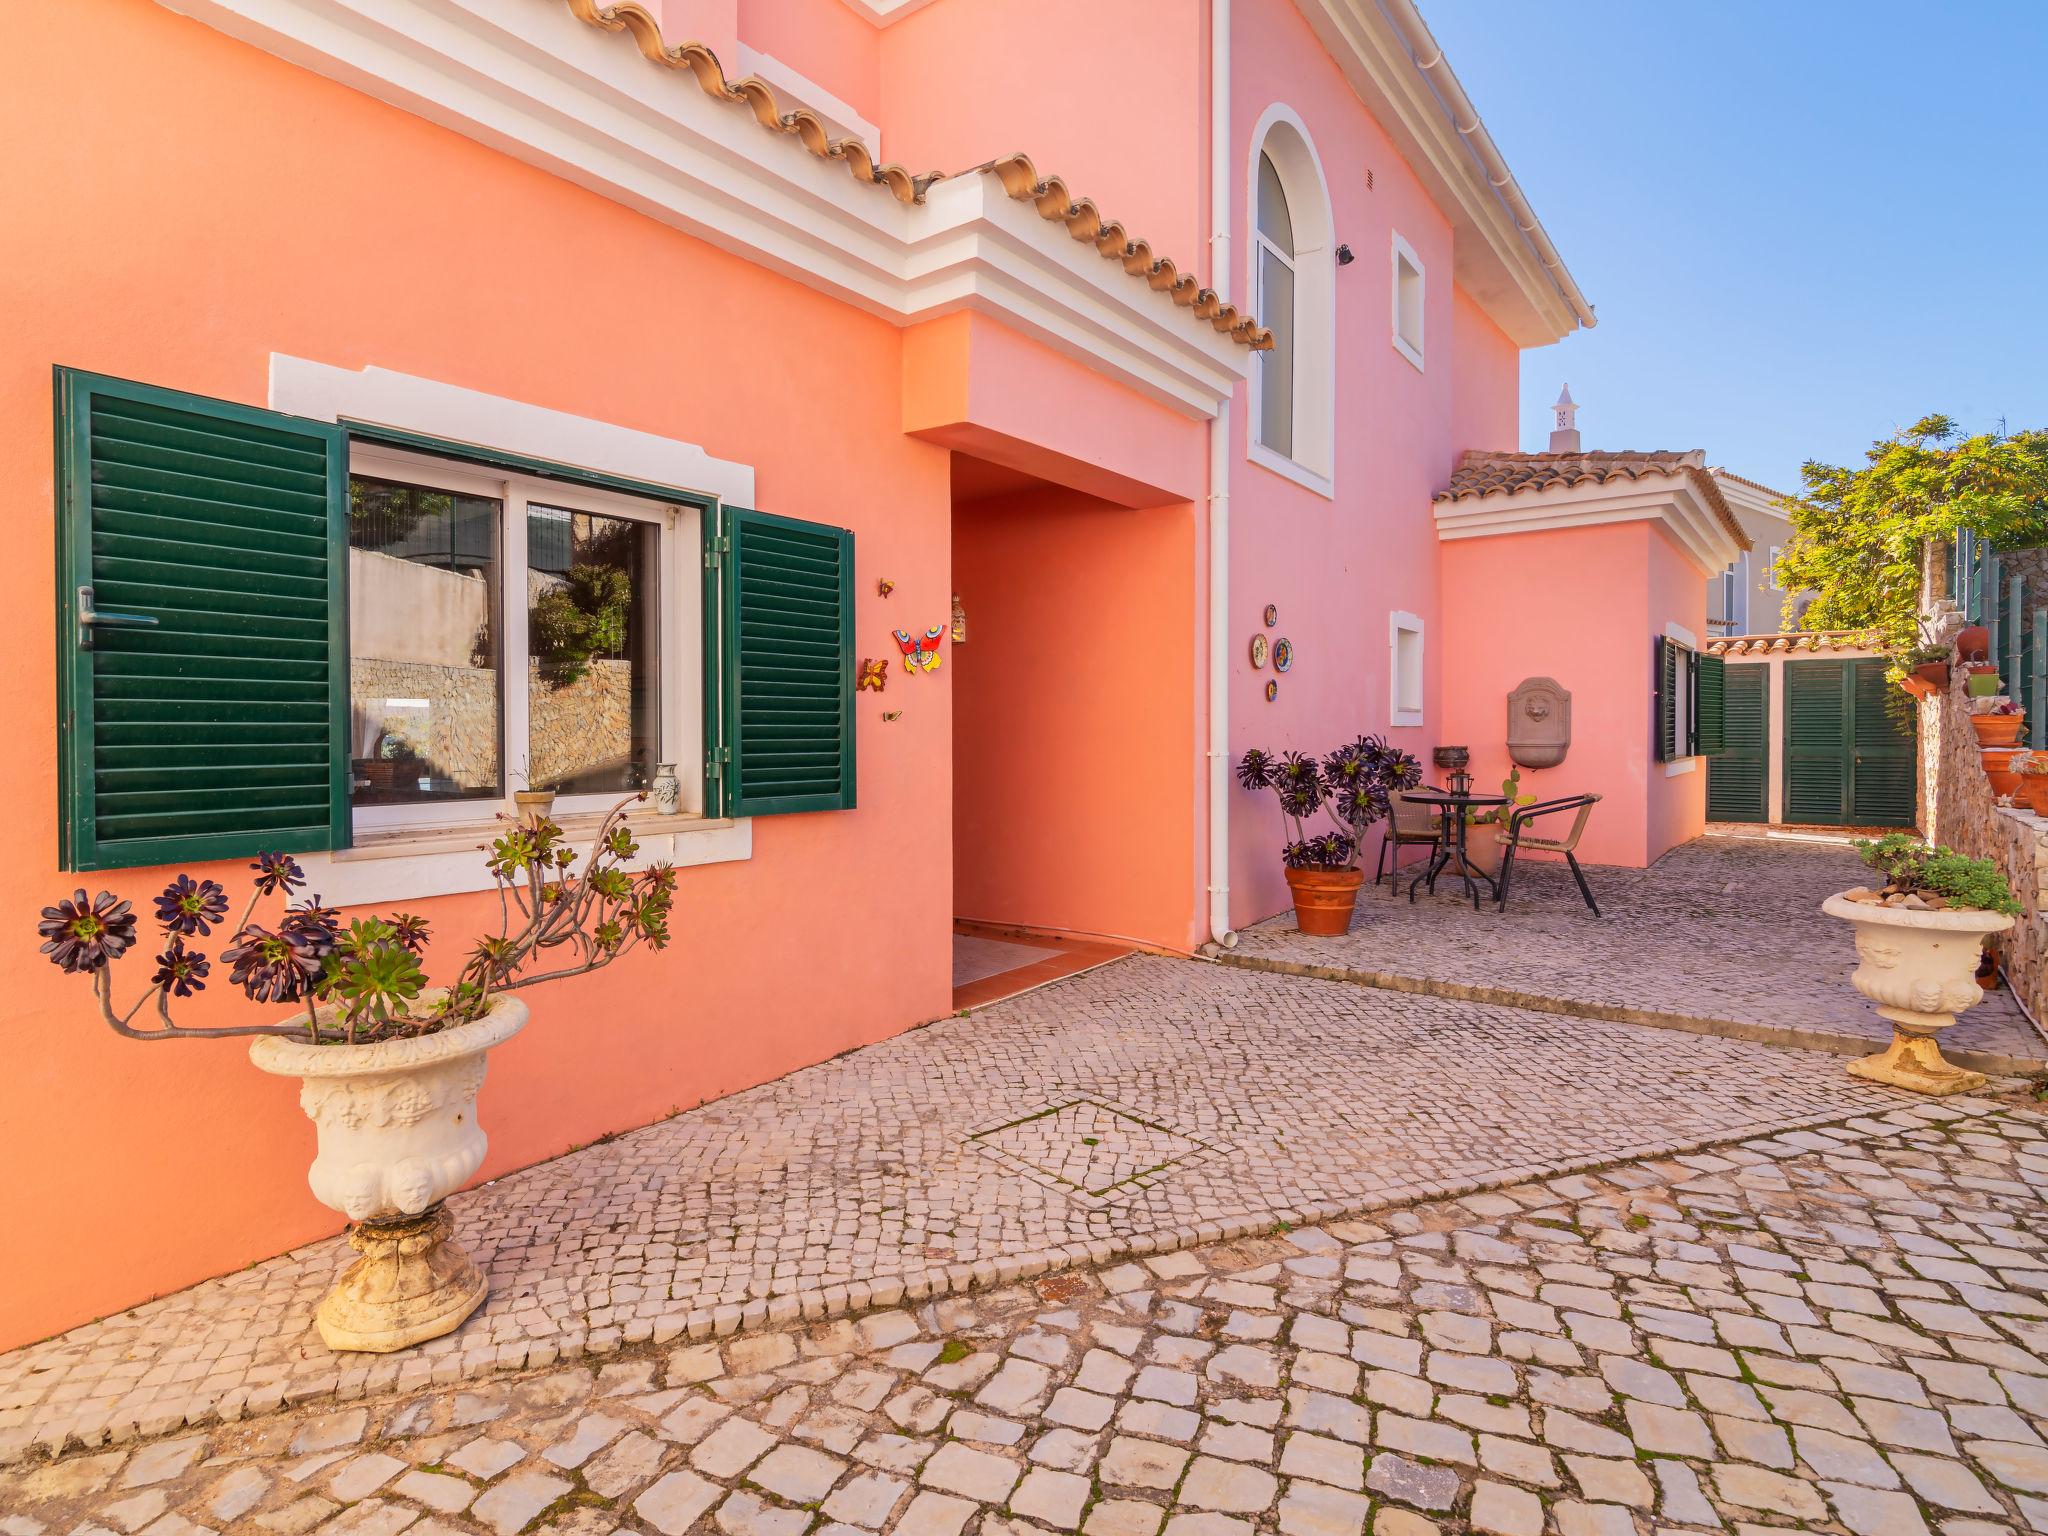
{"x": 1804, "y": 223}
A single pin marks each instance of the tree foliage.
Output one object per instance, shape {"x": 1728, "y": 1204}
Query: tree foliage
{"x": 1858, "y": 534}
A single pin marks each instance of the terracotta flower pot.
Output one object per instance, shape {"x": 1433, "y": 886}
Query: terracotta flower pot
{"x": 1324, "y": 899}
{"x": 2034, "y": 790}
{"x": 1935, "y": 672}
{"x": 1998, "y": 730}
{"x": 1974, "y": 643}
{"x": 1917, "y": 686}
{"x": 2003, "y": 781}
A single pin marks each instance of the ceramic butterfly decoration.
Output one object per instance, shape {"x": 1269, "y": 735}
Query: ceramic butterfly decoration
{"x": 874, "y": 674}
{"x": 920, "y": 652}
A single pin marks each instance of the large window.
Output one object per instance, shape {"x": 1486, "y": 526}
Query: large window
{"x": 460, "y": 691}
{"x": 1290, "y": 288}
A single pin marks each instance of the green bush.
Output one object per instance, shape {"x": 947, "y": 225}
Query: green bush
{"x": 1912, "y": 867}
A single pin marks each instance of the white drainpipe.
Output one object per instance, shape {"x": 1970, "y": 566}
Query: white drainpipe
{"x": 1220, "y": 930}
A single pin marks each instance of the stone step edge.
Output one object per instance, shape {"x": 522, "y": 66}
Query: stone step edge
{"x": 1791, "y": 1035}
{"x": 701, "y": 1323}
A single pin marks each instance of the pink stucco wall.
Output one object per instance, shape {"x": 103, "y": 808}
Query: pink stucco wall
{"x": 825, "y": 40}
{"x": 1338, "y": 567}
{"x": 1501, "y": 612}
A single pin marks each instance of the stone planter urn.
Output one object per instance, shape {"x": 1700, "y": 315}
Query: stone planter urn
{"x": 398, "y": 1134}
{"x": 1920, "y": 968}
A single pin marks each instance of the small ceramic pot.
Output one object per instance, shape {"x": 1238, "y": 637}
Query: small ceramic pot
{"x": 2034, "y": 791}
{"x": 1935, "y": 672}
{"x": 1998, "y": 730}
{"x": 534, "y": 804}
{"x": 1974, "y": 643}
{"x": 1982, "y": 684}
{"x": 1324, "y": 899}
{"x": 667, "y": 790}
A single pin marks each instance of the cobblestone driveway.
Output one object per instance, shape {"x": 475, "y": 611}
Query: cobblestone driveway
{"x": 1154, "y": 1100}
{"x": 1830, "y": 1331}
{"x": 1723, "y": 934}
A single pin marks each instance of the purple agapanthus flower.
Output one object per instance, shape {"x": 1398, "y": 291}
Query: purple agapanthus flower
{"x": 84, "y": 935}
{"x": 190, "y": 906}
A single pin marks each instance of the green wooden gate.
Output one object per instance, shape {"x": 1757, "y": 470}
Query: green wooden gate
{"x": 1849, "y": 760}
{"x": 1739, "y": 777}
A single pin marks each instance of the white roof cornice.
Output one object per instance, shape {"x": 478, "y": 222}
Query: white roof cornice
{"x": 1491, "y": 258}
{"x": 534, "y": 82}
{"x": 1671, "y": 499}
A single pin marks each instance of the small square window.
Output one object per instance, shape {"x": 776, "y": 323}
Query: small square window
{"x": 1404, "y": 669}
{"x": 1408, "y": 295}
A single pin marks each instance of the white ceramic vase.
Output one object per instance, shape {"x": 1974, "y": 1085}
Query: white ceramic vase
{"x": 667, "y": 790}
{"x": 1920, "y": 968}
{"x": 398, "y": 1134}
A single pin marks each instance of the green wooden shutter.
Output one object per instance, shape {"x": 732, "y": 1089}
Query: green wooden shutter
{"x": 1709, "y": 705}
{"x": 787, "y": 597}
{"x": 1884, "y": 768}
{"x": 1816, "y": 742}
{"x": 1665, "y": 683}
{"x": 1738, "y": 779}
{"x": 205, "y": 714}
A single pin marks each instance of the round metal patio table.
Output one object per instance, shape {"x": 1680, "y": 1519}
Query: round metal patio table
{"x": 1451, "y": 844}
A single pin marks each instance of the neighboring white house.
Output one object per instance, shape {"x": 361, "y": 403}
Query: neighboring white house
{"x": 1745, "y": 599}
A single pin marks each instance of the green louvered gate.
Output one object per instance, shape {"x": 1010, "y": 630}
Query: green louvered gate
{"x": 1849, "y": 760}
{"x": 203, "y": 698}
{"x": 1738, "y": 780}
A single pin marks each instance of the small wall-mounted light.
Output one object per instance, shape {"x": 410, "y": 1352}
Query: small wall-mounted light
{"x": 1344, "y": 256}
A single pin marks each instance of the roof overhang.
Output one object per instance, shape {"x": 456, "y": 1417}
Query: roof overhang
{"x": 537, "y": 84}
{"x": 1748, "y": 496}
{"x": 1675, "y": 500}
{"x": 1492, "y": 259}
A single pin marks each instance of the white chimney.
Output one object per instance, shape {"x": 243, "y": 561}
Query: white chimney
{"x": 1564, "y": 434}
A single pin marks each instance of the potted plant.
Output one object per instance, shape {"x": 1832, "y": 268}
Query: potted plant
{"x": 2002, "y": 766}
{"x": 1929, "y": 663}
{"x": 1918, "y": 939}
{"x": 1485, "y": 849}
{"x": 2032, "y": 770}
{"x": 534, "y": 804}
{"x": 2000, "y": 725}
{"x": 1350, "y": 786}
{"x": 390, "y": 1066}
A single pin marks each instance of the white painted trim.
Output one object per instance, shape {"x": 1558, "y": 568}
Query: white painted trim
{"x": 1398, "y": 624}
{"x": 1219, "y": 472}
{"x": 1258, "y": 453}
{"x": 1679, "y": 765}
{"x": 796, "y": 89}
{"x": 322, "y": 392}
{"x": 1668, "y": 498}
{"x": 533, "y": 82}
{"x": 885, "y": 13}
{"x": 1682, "y": 635}
{"x": 1314, "y": 458}
{"x": 1402, "y": 251}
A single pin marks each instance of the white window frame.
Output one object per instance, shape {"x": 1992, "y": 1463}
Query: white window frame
{"x": 1399, "y": 708}
{"x": 679, "y": 617}
{"x": 408, "y": 864}
{"x": 1771, "y": 569}
{"x": 1281, "y": 133}
{"x": 1408, "y": 337}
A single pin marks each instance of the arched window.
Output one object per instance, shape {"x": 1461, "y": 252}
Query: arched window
{"x": 1290, "y": 286}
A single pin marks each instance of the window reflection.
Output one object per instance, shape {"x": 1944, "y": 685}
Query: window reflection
{"x": 423, "y": 644}
{"x": 593, "y": 712}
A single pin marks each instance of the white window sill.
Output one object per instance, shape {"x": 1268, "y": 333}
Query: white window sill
{"x": 1678, "y": 765}
{"x": 411, "y": 864}
{"x": 1412, "y": 354}
{"x": 1407, "y": 717}
{"x": 1258, "y": 453}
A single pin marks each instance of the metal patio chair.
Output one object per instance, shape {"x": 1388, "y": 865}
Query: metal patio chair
{"x": 1517, "y": 837}
{"x": 1410, "y": 824}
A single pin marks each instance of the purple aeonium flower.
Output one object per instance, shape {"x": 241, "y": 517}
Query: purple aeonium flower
{"x": 409, "y": 931}
{"x": 1255, "y": 769}
{"x": 277, "y": 872}
{"x": 268, "y": 967}
{"x": 190, "y": 906}
{"x": 181, "y": 970}
{"x": 84, "y": 935}
{"x": 311, "y": 928}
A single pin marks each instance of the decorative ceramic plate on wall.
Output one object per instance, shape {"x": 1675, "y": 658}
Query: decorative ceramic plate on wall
{"x": 1272, "y": 614}
{"x": 1258, "y": 650}
{"x": 1272, "y": 689}
{"x": 1283, "y": 655}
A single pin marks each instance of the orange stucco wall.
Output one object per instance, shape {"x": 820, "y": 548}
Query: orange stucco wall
{"x": 1077, "y": 790}
{"x": 216, "y": 205}
{"x": 1623, "y": 582}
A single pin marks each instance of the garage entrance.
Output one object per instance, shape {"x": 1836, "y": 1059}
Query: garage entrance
{"x": 1850, "y": 758}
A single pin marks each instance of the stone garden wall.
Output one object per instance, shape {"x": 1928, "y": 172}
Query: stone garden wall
{"x": 1958, "y": 809}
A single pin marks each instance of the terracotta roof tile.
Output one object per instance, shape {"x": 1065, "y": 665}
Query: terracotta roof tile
{"x": 1484, "y": 473}
{"x": 1787, "y": 644}
{"x": 1019, "y": 177}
